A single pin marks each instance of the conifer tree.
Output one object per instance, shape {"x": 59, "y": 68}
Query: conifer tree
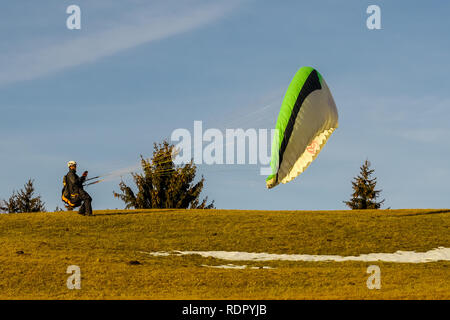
{"x": 163, "y": 184}
{"x": 364, "y": 195}
{"x": 10, "y": 205}
{"x": 23, "y": 201}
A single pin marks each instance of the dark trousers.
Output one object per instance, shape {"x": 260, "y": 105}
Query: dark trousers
{"x": 86, "y": 205}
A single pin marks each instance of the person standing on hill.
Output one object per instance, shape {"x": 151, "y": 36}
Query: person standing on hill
{"x": 74, "y": 187}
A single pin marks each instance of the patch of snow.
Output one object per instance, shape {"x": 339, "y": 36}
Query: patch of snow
{"x": 232, "y": 266}
{"x": 438, "y": 254}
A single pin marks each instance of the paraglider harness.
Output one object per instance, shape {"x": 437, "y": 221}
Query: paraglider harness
{"x": 71, "y": 200}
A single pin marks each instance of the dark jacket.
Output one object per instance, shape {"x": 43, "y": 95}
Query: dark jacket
{"x": 74, "y": 182}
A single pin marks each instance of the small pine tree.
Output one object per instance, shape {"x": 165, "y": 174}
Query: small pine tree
{"x": 364, "y": 194}
{"x": 23, "y": 201}
{"x": 164, "y": 185}
{"x": 10, "y": 205}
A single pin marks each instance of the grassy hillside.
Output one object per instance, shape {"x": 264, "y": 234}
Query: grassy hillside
{"x": 36, "y": 250}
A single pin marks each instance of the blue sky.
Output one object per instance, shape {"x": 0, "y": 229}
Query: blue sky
{"x": 138, "y": 70}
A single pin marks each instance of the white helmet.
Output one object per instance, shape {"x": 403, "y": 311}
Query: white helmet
{"x": 71, "y": 163}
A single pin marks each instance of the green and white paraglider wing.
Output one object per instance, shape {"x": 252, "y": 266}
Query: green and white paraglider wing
{"x": 307, "y": 118}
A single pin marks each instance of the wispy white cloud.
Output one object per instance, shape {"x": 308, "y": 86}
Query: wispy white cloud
{"x": 37, "y": 62}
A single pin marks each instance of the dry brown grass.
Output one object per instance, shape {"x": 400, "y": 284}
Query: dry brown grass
{"x": 104, "y": 245}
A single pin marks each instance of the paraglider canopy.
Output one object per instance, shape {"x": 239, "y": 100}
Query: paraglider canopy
{"x": 307, "y": 118}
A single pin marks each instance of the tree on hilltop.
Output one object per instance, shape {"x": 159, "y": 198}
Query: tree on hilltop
{"x": 364, "y": 195}
{"x": 23, "y": 201}
{"x": 164, "y": 184}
